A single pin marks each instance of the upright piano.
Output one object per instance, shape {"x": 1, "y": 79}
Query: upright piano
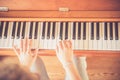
{"x": 93, "y": 26}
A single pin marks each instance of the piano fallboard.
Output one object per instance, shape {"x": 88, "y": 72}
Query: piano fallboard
{"x": 88, "y": 53}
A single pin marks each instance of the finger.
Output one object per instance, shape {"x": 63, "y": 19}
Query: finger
{"x": 29, "y": 45}
{"x": 21, "y": 45}
{"x": 16, "y": 51}
{"x": 60, "y": 46}
{"x": 64, "y": 43}
{"x": 26, "y": 44}
{"x": 57, "y": 49}
{"x": 70, "y": 44}
{"x": 35, "y": 53}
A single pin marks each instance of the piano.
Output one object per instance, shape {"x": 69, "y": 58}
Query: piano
{"x": 92, "y": 26}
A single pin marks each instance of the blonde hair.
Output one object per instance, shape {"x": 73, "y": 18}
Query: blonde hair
{"x": 15, "y": 72}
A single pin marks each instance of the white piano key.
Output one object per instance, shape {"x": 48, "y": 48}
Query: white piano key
{"x": 108, "y": 41}
{"x": 89, "y": 36}
{"x": 63, "y": 34}
{"x": 113, "y": 42}
{"x": 73, "y": 42}
{"x": 5, "y": 43}
{"x": 86, "y": 44}
{"x": 3, "y": 40}
{"x": 39, "y": 34}
{"x": 81, "y": 47}
{"x": 118, "y": 41}
{"x": 100, "y": 41}
{"x": 27, "y": 29}
{"x": 11, "y": 40}
{"x": 41, "y": 42}
{"x": 69, "y": 31}
{"x": 50, "y": 44}
{"x": 76, "y": 41}
{"x": 45, "y": 40}
{"x": 104, "y": 41}
{"x": 95, "y": 41}
{"x": 56, "y": 34}
{"x": 16, "y": 41}
{"x": 7, "y": 40}
{"x": 0, "y": 39}
{"x": 21, "y": 27}
{"x": 36, "y": 41}
{"x": 33, "y": 40}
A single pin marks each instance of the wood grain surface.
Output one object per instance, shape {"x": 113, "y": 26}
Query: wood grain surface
{"x": 99, "y": 68}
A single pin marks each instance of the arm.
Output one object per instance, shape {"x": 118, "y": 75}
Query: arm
{"x": 64, "y": 53}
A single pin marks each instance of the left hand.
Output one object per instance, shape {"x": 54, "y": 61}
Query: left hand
{"x": 25, "y": 56}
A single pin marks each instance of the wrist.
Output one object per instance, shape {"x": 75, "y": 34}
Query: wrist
{"x": 67, "y": 64}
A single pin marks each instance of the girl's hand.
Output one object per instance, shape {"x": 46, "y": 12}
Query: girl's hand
{"x": 25, "y": 56}
{"x": 64, "y": 52}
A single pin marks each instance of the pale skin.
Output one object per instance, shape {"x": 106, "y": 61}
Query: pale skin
{"x": 31, "y": 60}
{"x": 24, "y": 54}
{"x": 64, "y": 53}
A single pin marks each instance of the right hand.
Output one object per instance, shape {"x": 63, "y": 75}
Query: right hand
{"x": 64, "y": 52}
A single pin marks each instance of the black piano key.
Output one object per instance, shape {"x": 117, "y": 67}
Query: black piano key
{"x": 116, "y": 31}
{"x": 79, "y": 31}
{"x": 36, "y": 30}
{"x": 1, "y": 29}
{"x": 48, "y": 30}
{"x": 18, "y": 30}
{"x": 111, "y": 31}
{"x": 74, "y": 31}
{"x": 66, "y": 30}
{"x": 84, "y": 31}
{"x": 53, "y": 30}
{"x": 6, "y": 30}
{"x": 97, "y": 31}
{"x": 92, "y": 31}
{"x": 61, "y": 31}
{"x": 23, "y": 30}
{"x": 43, "y": 30}
{"x": 31, "y": 30}
{"x": 105, "y": 32}
{"x": 13, "y": 30}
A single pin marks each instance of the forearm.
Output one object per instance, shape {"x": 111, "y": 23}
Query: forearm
{"x": 39, "y": 68}
{"x": 72, "y": 72}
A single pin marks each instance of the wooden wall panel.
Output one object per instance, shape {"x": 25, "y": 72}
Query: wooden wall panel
{"x": 56, "y": 4}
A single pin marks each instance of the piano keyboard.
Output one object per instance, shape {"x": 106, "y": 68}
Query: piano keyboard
{"x": 45, "y": 35}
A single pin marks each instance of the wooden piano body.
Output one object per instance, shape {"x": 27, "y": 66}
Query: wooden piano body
{"x": 62, "y": 11}
{"x": 67, "y": 11}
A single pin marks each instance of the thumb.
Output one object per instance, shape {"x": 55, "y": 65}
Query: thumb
{"x": 15, "y": 49}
